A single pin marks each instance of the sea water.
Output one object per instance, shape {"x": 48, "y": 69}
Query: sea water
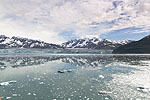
{"x": 86, "y": 76}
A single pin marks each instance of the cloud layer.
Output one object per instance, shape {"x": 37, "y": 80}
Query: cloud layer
{"x": 54, "y": 20}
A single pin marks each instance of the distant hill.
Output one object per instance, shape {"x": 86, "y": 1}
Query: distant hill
{"x": 94, "y": 43}
{"x": 18, "y": 42}
{"x": 141, "y": 46}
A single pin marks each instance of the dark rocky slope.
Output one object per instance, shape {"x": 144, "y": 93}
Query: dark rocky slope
{"x": 141, "y": 46}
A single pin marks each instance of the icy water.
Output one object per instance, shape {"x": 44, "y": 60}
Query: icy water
{"x": 85, "y": 77}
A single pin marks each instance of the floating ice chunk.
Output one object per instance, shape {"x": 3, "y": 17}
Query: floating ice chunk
{"x": 69, "y": 99}
{"x": 104, "y": 92}
{"x": 60, "y": 71}
{"x": 41, "y": 83}
{"x": 14, "y": 95}
{"x": 10, "y": 82}
{"x": 143, "y": 89}
{"x": 8, "y": 97}
{"x": 29, "y": 94}
{"x": 101, "y": 76}
{"x": 63, "y": 71}
{"x": 3, "y": 67}
{"x": 69, "y": 70}
{"x": 140, "y": 88}
{"x": 4, "y": 83}
{"x": 7, "y": 83}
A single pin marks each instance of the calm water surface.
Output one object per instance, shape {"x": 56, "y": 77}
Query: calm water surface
{"x": 93, "y": 77}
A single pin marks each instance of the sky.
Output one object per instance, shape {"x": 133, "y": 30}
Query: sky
{"x": 57, "y": 21}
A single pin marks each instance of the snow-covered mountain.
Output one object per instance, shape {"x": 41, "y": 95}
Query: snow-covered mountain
{"x": 17, "y": 42}
{"x": 94, "y": 43}
{"x": 89, "y": 43}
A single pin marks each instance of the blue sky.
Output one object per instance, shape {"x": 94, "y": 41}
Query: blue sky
{"x": 123, "y": 34}
{"x": 57, "y": 21}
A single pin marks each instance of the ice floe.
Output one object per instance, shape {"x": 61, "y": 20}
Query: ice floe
{"x": 8, "y": 97}
{"x": 60, "y": 71}
{"x": 63, "y": 71}
{"x": 7, "y": 83}
{"x": 14, "y": 95}
{"x": 101, "y": 76}
{"x": 104, "y": 92}
{"x": 143, "y": 89}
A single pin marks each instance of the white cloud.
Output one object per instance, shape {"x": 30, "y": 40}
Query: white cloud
{"x": 46, "y": 19}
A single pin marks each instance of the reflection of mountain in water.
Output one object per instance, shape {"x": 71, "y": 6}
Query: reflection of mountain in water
{"x": 86, "y": 61}
{"x": 98, "y": 61}
{"x": 24, "y": 61}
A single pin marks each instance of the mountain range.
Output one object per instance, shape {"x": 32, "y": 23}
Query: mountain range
{"x": 18, "y": 42}
{"x": 85, "y": 43}
{"x": 94, "y": 43}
